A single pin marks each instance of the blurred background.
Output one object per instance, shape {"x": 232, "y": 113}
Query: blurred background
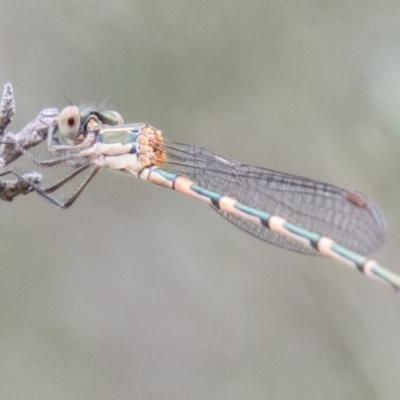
{"x": 137, "y": 292}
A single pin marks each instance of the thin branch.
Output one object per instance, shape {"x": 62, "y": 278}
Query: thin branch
{"x": 13, "y": 187}
{"x": 7, "y": 107}
{"x": 12, "y": 144}
{"x": 33, "y": 134}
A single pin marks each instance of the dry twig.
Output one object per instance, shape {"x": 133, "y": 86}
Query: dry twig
{"x": 12, "y": 143}
{"x": 11, "y": 188}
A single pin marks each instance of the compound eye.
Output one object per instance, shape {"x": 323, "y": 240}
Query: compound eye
{"x": 69, "y": 122}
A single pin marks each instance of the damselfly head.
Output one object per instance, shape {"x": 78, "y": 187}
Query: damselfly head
{"x": 73, "y": 121}
{"x": 69, "y": 122}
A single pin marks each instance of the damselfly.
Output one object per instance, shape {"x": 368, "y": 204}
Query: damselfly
{"x": 289, "y": 211}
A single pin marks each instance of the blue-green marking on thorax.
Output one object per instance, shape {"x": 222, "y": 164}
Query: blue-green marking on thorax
{"x": 106, "y": 118}
{"x": 128, "y": 134}
{"x": 122, "y": 137}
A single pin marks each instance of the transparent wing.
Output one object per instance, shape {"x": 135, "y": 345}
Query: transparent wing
{"x": 348, "y": 217}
